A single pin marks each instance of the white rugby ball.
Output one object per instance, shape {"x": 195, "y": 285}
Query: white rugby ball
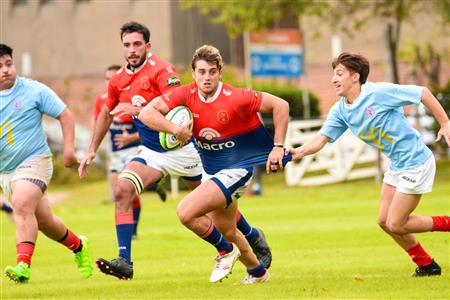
{"x": 180, "y": 115}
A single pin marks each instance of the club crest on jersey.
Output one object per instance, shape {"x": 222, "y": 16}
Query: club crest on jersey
{"x": 222, "y": 117}
{"x": 145, "y": 83}
{"x": 138, "y": 100}
{"x": 17, "y": 104}
{"x": 369, "y": 112}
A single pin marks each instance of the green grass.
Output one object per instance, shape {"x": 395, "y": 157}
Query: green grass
{"x": 325, "y": 242}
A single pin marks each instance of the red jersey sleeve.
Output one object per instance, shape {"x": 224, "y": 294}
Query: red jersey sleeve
{"x": 249, "y": 101}
{"x": 176, "y": 97}
{"x": 167, "y": 79}
{"x": 113, "y": 95}
{"x": 99, "y": 102}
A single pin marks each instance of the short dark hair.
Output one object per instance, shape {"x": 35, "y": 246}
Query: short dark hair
{"x": 355, "y": 63}
{"x": 113, "y": 68}
{"x": 5, "y": 50}
{"x": 208, "y": 53}
{"x": 131, "y": 27}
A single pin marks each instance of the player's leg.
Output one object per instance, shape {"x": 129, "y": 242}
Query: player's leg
{"x": 256, "y": 239}
{"x": 400, "y": 195}
{"x": 54, "y": 228}
{"x": 192, "y": 212}
{"x": 25, "y": 198}
{"x": 225, "y": 221}
{"x": 132, "y": 181}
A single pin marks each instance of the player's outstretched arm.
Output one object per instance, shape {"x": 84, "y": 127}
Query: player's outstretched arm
{"x": 153, "y": 114}
{"x": 280, "y": 113}
{"x": 315, "y": 144}
{"x": 438, "y": 112}
{"x": 101, "y": 127}
{"x": 67, "y": 122}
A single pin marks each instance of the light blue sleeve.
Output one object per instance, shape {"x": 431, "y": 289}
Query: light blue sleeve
{"x": 397, "y": 95}
{"x": 49, "y": 103}
{"x": 334, "y": 125}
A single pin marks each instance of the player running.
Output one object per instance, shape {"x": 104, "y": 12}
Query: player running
{"x": 26, "y": 165}
{"x": 231, "y": 140}
{"x": 145, "y": 77}
{"x": 124, "y": 143}
{"x": 374, "y": 113}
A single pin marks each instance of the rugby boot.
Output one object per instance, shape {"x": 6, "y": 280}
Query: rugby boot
{"x": 20, "y": 273}
{"x": 433, "y": 269}
{"x": 250, "y": 279}
{"x": 118, "y": 267}
{"x": 83, "y": 259}
{"x": 261, "y": 249}
{"x": 224, "y": 264}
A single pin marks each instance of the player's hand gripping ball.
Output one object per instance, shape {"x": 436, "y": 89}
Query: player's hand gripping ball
{"x": 180, "y": 115}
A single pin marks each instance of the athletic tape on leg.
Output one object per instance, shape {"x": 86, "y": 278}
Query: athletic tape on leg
{"x": 134, "y": 178}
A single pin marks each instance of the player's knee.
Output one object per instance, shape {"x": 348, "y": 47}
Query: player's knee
{"x": 396, "y": 228}
{"x": 184, "y": 215}
{"x": 382, "y": 223}
{"x": 124, "y": 192}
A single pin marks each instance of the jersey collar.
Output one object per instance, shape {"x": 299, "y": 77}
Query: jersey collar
{"x": 8, "y": 91}
{"x": 213, "y": 97}
{"x": 134, "y": 71}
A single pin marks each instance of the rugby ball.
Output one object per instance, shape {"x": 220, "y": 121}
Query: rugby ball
{"x": 180, "y": 115}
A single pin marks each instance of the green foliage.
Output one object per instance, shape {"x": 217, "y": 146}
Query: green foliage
{"x": 69, "y": 176}
{"x": 325, "y": 242}
{"x": 238, "y": 16}
{"x": 294, "y": 96}
{"x": 443, "y": 95}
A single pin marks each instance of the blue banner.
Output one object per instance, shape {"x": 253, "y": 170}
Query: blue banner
{"x": 270, "y": 64}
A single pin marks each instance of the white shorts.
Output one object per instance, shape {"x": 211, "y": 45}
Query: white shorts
{"x": 34, "y": 168}
{"x": 119, "y": 159}
{"x": 232, "y": 182}
{"x": 184, "y": 162}
{"x": 416, "y": 181}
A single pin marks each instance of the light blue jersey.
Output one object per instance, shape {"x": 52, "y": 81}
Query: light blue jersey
{"x": 21, "y": 132}
{"x": 377, "y": 118}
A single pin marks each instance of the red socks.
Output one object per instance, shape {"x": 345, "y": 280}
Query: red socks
{"x": 137, "y": 202}
{"x": 419, "y": 255}
{"x": 441, "y": 223}
{"x": 24, "y": 252}
{"x": 70, "y": 240}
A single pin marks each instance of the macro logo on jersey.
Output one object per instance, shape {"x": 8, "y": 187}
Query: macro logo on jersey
{"x": 369, "y": 112}
{"x": 209, "y": 134}
{"x": 138, "y": 100}
{"x": 145, "y": 84}
{"x": 222, "y": 117}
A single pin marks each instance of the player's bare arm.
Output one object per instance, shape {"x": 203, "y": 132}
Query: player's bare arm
{"x": 152, "y": 115}
{"x": 280, "y": 113}
{"x": 438, "y": 112}
{"x": 67, "y": 122}
{"x": 125, "y": 109}
{"x": 314, "y": 145}
{"x": 121, "y": 140}
{"x": 102, "y": 125}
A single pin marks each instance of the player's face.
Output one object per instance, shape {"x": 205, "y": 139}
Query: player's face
{"x": 108, "y": 75}
{"x": 135, "y": 49}
{"x": 206, "y": 77}
{"x": 344, "y": 81}
{"x": 8, "y": 72}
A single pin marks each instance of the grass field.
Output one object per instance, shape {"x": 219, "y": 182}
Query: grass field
{"x": 325, "y": 242}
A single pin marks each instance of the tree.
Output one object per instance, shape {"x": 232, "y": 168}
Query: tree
{"x": 346, "y": 15}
